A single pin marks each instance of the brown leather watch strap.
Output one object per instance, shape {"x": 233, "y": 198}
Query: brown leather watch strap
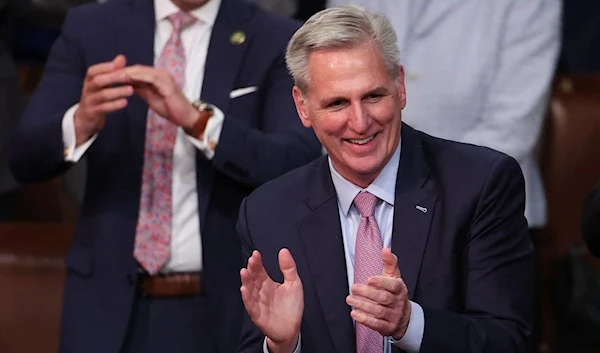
{"x": 206, "y": 112}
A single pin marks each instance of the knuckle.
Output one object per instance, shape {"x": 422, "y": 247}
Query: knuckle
{"x": 379, "y": 311}
{"x": 96, "y": 81}
{"x": 388, "y": 298}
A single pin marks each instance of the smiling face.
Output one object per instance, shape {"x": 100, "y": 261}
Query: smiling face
{"x": 355, "y": 107}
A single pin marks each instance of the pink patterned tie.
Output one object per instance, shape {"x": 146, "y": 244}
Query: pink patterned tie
{"x": 367, "y": 263}
{"x": 153, "y": 233}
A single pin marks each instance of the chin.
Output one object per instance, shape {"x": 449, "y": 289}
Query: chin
{"x": 364, "y": 171}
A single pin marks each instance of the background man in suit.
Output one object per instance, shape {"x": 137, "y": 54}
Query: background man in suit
{"x": 428, "y": 236}
{"x": 154, "y": 264}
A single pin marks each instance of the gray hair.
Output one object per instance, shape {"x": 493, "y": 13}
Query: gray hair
{"x": 341, "y": 27}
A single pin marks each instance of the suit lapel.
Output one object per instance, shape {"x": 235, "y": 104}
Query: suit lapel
{"x": 321, "y": 236}
{"x": 225, "y": 56}
{"x": 135, "y": 40}
{"x": 222, "y": 65}
{"x": 413, "y": 210}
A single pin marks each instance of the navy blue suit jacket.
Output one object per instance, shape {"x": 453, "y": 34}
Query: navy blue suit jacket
{"x": 467, "y": 261}
{"x": 261, "y": 139}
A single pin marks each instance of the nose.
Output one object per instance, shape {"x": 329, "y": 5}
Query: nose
{"x": 359, "y": 119}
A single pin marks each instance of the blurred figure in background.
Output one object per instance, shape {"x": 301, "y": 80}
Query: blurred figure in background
{"x": 591, "y": 221}
{"x": 581, "y": 37}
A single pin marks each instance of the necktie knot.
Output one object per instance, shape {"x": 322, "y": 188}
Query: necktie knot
{"x": 180, "y": 21}
{"x": 365, "y": 203}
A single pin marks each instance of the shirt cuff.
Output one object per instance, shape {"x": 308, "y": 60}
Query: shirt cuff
{"x": 212, "y": 133}
{"x": 72, "y": 152}
{"x": 297, "y": 350}
{"x": 411, "y": 342}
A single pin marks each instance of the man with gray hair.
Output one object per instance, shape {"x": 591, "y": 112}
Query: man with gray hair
{"x": 396, "y": 240}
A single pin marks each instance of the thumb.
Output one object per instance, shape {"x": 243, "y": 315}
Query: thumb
{"x": 287, "y": 265}
{"x": 390, "y": 264}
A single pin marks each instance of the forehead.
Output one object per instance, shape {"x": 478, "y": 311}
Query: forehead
{"x": 352, "y": 68}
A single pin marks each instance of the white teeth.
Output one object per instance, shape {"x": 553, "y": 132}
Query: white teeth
{"x": 362, "y": 142}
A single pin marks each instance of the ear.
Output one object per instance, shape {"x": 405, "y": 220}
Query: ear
{"x": 301, "y": 108}
{"x": 401, "y": 87}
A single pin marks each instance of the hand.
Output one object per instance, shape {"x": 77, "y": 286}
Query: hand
{"x": 382, "y": 304}
{"x": 158, "y": 88}
{"x": 276, "y": 309}
{"x": 99, "y": 97}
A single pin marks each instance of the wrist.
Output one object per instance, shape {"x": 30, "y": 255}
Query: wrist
{"x": 198, "y": 119}
{"x": 192, "y": 116}
{"x": 84, "y": 129}
{"x": 405, "y": 322}
{"x": 283, "y": 346}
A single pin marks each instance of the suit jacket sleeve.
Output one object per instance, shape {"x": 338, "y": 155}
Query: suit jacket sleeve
{"x": 499, "y": 275}
{"x": 254, "y": 156}
{"x": 251, "y": 339}
{"x": 36, "y": 150}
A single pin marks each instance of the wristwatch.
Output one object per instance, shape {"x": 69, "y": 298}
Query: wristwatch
{"x": 206, "y": 111}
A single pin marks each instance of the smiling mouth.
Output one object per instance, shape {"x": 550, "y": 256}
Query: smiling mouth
{"x": 363, "y": 141}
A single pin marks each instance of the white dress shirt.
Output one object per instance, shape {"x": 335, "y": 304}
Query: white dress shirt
{"x": 186, "y": 246}
{"x": 384, "y": 187}
{"x": 479, "y": 72}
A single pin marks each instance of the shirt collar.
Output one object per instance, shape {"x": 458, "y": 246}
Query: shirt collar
{"x": 383, "y": 186}
{"x": 206, "y": 14}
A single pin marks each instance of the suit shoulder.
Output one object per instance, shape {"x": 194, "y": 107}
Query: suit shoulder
{"x": 92, "y": 15}
{"x": 93, "y": 11}
{"x": 288, "y": 187}
{"x": 464, "y": 153}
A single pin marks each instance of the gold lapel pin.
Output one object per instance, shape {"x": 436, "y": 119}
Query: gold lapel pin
{"x": 237, "y": 38}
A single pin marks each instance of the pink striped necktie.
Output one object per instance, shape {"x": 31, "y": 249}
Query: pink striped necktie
{"x": 367, "y": 263}
{"x": 153, "y": 233}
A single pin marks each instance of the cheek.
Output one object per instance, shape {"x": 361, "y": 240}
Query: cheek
{"x": 332, "y": 124}
{"x": 382, "y": 112}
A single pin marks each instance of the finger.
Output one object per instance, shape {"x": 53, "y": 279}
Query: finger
{"x": 257, "y": 269}
{"x": 392, "y": 285}
{"x": 117, "y": 63}
{"x": 142, "y": 74}
{"x": 112, "y": 106}
{"x": 371, "y": 322}
{"x": 120, "y": 61}
{"x": 110, "y": 94}
{"x": 247, "y": 291}
{"x": 376, "y": 295}
{"x": 390, "y": 263}
{"x": 287, "y": 265}
{"x": 108, "y": 79}
{"x": 366, "y": 306}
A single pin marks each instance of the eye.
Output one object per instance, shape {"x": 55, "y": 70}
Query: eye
{"x": 335, "y": 104}
{"x": 373, "y": 97}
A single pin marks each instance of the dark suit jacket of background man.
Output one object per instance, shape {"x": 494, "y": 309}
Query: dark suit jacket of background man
{"x": 469, "y": 253}
{"x": 101, "y": 270}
